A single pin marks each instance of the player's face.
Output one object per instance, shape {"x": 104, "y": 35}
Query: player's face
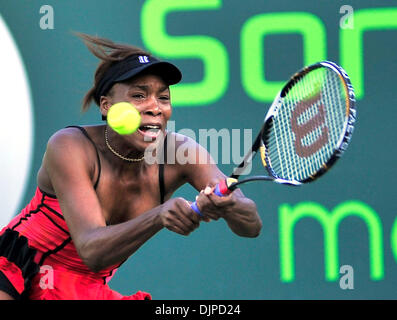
{"x": 151, "y": 96}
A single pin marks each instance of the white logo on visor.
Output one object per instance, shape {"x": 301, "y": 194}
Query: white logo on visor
{"x": 143, "y": 59}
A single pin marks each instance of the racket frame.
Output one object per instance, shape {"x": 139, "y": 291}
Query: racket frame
{"x": 259, "y": 145}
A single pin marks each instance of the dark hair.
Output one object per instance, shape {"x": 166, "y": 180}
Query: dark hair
{"x": 109, "y": 53}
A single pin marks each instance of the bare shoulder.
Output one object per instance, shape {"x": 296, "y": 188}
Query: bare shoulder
{"x": 74, "y": 140}
{"x": 67, "y": 151}
{"x": 71, "y": 145}
{"x": 67, "y": 136}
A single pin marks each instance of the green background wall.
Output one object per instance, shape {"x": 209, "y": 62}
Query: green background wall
{"x": 213, "y": 263}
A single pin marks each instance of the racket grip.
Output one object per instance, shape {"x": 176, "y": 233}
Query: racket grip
{"x": 221, "y": 189}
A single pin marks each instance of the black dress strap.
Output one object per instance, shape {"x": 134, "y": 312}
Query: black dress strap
{"x": 161, "y": 171}
{"x": 84, "y": 131}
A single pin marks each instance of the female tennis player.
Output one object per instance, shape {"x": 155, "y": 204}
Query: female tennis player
{"x": 98, "y": 201}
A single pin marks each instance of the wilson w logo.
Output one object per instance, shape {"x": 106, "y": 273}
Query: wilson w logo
{"x": 302, "y": 130}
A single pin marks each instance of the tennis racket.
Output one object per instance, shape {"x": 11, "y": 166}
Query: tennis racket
{"x": 307, "y": 128}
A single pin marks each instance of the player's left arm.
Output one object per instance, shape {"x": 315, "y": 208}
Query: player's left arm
{"x": 202, "y": 173}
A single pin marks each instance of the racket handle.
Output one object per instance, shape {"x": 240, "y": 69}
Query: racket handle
{"x": 222, "y": 189}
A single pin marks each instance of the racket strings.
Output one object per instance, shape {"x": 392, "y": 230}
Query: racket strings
{"x": 307, "y": 126}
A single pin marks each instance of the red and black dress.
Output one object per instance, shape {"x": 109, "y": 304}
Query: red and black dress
{"x": 38, "y": 239}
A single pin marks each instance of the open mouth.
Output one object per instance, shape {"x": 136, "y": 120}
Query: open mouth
{"x": 150, "y": 131}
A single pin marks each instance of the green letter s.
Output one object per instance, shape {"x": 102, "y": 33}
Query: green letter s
{"x": 211, "y": 51}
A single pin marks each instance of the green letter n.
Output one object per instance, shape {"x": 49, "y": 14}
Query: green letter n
{"x": 253, "y": 73}
{"x": 351, "y": 41}
{"x": 329, "y": 221}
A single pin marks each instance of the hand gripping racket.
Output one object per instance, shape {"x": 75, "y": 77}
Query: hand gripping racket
{"x": 307, "y": 128}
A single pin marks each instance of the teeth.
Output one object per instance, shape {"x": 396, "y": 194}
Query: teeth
{"x": 152, "y": 126}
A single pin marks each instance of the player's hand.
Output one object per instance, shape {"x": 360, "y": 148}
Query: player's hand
{"x": 177, "y": 216}
{"x": 212, "y": 206}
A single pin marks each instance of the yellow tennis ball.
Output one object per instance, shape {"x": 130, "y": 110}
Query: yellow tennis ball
{"x": 123, "y": 118}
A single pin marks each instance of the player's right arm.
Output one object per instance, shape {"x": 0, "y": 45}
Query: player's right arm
{"x": 70, "y": 171}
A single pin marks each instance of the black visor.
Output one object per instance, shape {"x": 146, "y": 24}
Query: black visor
{"x": 132, "y": 66}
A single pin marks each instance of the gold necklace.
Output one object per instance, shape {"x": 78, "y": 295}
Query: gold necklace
{"x": 118, "y": 154}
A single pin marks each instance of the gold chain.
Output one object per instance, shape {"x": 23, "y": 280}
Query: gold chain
{"x": 118, "y": 154}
